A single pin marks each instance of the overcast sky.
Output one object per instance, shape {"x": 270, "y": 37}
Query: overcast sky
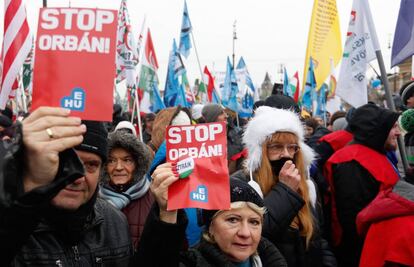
{"x": 269, "y": 32}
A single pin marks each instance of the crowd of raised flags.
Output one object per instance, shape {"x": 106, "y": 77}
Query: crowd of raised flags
{"x": 137, "y": 63}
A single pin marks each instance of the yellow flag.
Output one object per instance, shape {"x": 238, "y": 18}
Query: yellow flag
{"x": 324, "y": 40}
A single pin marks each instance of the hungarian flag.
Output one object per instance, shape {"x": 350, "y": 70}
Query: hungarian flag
{"x": 294, "y": 86}
{"x": 148, "y": 79}
{"x": 126, "y": 50}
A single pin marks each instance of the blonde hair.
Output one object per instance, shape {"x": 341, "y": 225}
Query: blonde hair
{"x": 267, "y": 179}
{"x": 235, "y": 206}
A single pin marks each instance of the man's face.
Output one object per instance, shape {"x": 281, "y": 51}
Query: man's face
{"x": 391, "y": 143}
{"x": 410, "y": 102}
{"x": 80, "y": 191}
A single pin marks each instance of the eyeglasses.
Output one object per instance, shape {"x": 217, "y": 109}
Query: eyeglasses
{"x": 279, "y": 148}
{"x": 124, "y": 162}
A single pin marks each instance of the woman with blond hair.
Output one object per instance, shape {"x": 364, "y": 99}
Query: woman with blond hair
{"x": 278, "y": 161}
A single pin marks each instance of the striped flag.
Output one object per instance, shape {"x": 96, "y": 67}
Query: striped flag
{"x": 16, "y": 45}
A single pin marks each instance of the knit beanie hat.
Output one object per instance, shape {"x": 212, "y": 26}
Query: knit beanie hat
{"x": 339, "y": 124}
{"x": 95, "y": 139}
{"x": 211, "y": 112}
{"x": 406, "y": 91}
{"x": 5, "y": 121}
{"x": 407, "y": 120}
{"x": 282, "y": 102}
{"x": 239, "y": 191}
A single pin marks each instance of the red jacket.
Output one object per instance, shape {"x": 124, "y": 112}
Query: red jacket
{"x": 388, "y": 222}
{"x": 337, "y": 139}
{"x": 370, "y": 160}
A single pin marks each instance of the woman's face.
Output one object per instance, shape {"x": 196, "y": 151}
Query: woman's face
{"x": 237, "y": 232}
{"x": 120, "y": 166}
{"x": 282, "y": 145}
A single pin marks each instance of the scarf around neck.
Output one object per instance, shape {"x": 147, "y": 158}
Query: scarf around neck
{"x": 121, "y": 200}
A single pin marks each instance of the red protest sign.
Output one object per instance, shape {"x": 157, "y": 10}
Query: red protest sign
{"x": 75, "y": 61}
{"x": 201, "y": 155}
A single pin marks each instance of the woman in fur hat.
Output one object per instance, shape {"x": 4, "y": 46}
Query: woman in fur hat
{"x": 123, "y": 182}
{"x": 278, "y": 160}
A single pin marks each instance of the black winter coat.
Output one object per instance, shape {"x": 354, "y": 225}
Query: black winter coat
{"x": 283, "y": 206}
{"x": 28, "y": 238}
{"x": 161, "y": 246}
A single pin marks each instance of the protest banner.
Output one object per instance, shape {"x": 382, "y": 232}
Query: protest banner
{"x": 200, "y": 153}
{"x": 75, "y": 61}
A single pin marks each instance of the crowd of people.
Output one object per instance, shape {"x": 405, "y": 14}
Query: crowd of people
{"x": 304, "y": 192}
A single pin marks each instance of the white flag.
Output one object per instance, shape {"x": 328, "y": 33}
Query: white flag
{"x": 358, "y": 52}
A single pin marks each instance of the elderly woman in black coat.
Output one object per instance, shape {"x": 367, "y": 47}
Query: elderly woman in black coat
{"x": 232, "y": 237}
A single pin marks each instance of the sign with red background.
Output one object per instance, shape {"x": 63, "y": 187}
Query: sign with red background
{"x": 75, "y": 61}
{"x": 200, "y": 152}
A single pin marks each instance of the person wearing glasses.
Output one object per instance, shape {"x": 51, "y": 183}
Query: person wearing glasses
{"x": 123, "y": 182}
{"x": 278, "y": 161}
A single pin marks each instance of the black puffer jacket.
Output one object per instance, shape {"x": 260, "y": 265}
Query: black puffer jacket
{"x": 30, "y": 236}
{"x": 283, "y": 206}
{"x": 161, "y": 246}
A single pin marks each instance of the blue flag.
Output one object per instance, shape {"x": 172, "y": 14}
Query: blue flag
{"x": 309, "y": 87}
{"x": 249, "y": 82}
{"x": 158, "y": 104}
{"x": 186, "y": 28}
{"x": 321, "y": 101}
{"x": 286, "y": 87}
{"x": 174, "y": 94}
{"x": 230, "y": 89}
{"x": 403, "y": 45}
{"x": 215, "y": 98}
{"x": 247, "y": 101}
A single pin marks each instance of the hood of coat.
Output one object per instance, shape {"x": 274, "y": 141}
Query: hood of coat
{"x": 266, "y": 122}
{"x": 136, "y": 148}
{"x": 394, "y": 202}
{"x": 371, "y": 125}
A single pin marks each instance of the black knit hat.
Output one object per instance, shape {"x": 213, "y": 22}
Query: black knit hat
{"x": 282, "y": 102}
{"x": 95, "y": 140}
{"x": 406, "y": 91}
{"x": 5, "y": 121}
{"x": 239, "y": 191}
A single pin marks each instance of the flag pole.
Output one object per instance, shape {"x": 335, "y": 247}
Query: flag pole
{"x": 198, "y": 59}
{"x": 138, "y": 115}
{"x": 384, "y": 78}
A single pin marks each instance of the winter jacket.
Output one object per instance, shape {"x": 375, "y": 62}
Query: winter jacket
{"x": 388, "y": 222}
{"x": 137, "y": 209}
{"x": 136, "y": 213}
{"x": 283, "y": 206}
{"x": 29, "y": 236}
{"x": 355, "y": 175}
{"x": 161, "y": 245}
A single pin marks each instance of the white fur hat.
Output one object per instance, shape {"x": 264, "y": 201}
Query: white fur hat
{"x": 267, "y": 121}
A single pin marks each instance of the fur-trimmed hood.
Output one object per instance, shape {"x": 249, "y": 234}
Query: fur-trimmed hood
{"x": 266, "y": 121}
{"x": 138, "y": 150}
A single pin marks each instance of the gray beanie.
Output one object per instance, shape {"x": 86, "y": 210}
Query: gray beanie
{"x": 339, "y": 124}
{"x": 211, "y": 112}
